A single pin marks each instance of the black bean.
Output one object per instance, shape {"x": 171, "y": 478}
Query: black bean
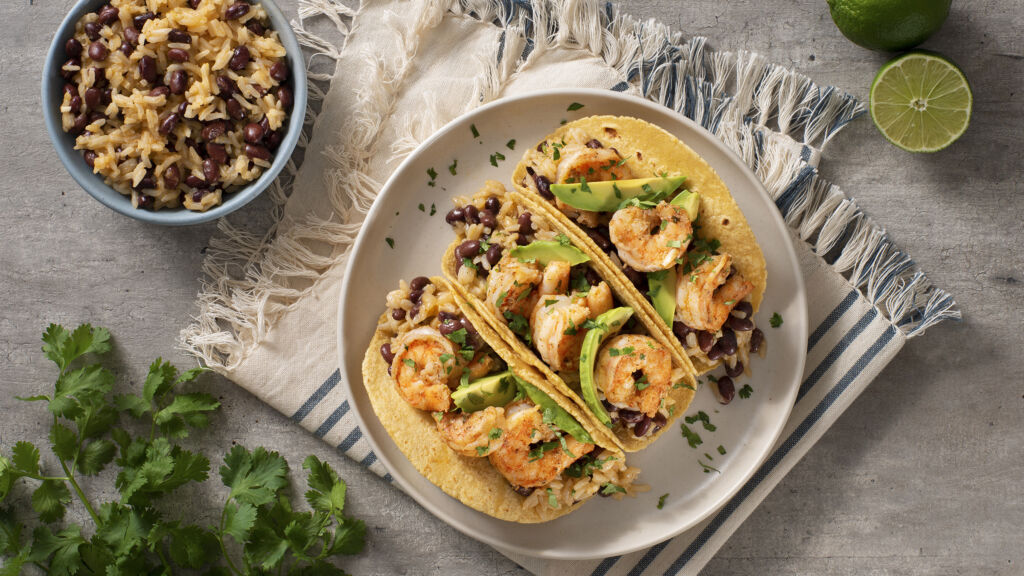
{"x": 599, "y": 238}
{"x": 735, "y": 371}
{"x": 468, "y": 249}
{"x": 76, "y": 102}
{"x": 160, "y": 91}
{"x": 193, "y": 4}
{"x": 169, "y": 123}
{"x": 140, "y": 20}
{"x": 210, "y": 171}
{"x": 225, "y": 86}
{"x": 94, "y": 116}
{"x": 193, "y": 181}
{"x": 447, "y": 316}
{"x": 681, "y": 330}
{"x": 73, "y": 48}
{"x": 594, "y": 144}
{"x": 636, "y": 277}
{"x": 739, "y": 324}
{"x": 108, "y": 14}
{"x": 641, "y": 428}
{"x": 217, "y": 153}
{"x": 398, "y": 314}
{"x": 131, "y": 36}
{"x": 265, "y": 124}
{"x": 90, "y": 158}
{"x": 81, "y": 121}
{"x": 284, "y": 94}
{"x": 449, "y": 325}
{"x": 182, "y": 108}
{"x": 146, "y": 202}
{"x": 70, "y": 89}
{"x": 214, "y": 129}
{"x": 98, "y": 51}
{"x": 239, "y": 58}
{"x": 415, "y": 296}
{"x": 523, "y": 491}
{"x": 171, "y": 177}
{"x": 415, "y": 310}
{"x": 279, "y": 71}
{"x": 71, "y": 63}
{"x": 386, "y": 353}
{"x": 179, "y": 82}
{"x": 744, "y": 307}
{"x": 147, "y": 69}
{"x": 253, "y": 133}
{"x": 756, "y": 339}
{"x": 487, "y": 219}
{"x": 728, "y": 342}
{"x": 470, "y": 329}
{"x": 92, "y": 30}
{"x": 455, "y": 215}
{"x": 543, "y": 186}
{"x": 179, "y": 36}
{"x": 659, "y": 421}
{"x": 148, "y": 182}
{"x": 525, "y": 221}
{"x": 419, "y": 283}
{"x": 235, "y": 109}
{"x": 493, "y": 254}
{"x": 197, "y": 195}
{"x": 273, "y": 139}
{"x": 726, "y": 389}
{"x": 705, "y": 340}
{"x": 92, "y": 97}
{"x": 608, "y": 406}
{"x": 99, "y": 77}
{"x": 716, "y": 352}
{"x": 126, "y": 49}
{"x": 493, "y": 204}
{"x": 236, "y": 11}
{"x": 630, "y": 416}
{"x": 592, "y": 277}
{"x": 177, "y": 55}
{"x": 256, "y": 151}
{"x": 255, "y": 27}
{"x": 471, "y": 212}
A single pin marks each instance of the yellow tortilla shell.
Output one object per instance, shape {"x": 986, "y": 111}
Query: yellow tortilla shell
{"x": 473, "y": 481}
{"x": 651, "y": 151}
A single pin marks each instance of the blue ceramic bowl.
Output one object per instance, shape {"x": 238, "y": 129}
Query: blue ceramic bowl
{"x": 73, "y": 160}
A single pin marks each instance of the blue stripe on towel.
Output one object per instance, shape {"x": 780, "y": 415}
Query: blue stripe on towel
{"x": 605, "y": 566}
{"x": 317, "y": 396}
{"x": 332, "y": 419}
{"x": 369, "y": 460}
{"x": 837, "y": 351}
{"x": 766, "y": 469}
{"x": 831, "y": 319}
{"x": 350, "y": 440}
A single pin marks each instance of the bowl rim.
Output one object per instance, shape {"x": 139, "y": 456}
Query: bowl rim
{"x": 73, "y": 161}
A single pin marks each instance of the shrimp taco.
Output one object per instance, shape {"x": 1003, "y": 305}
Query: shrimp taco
{"x": 543, "y": 295}
{"x": 482, "y": 426}
{"x": 662, "y": 225}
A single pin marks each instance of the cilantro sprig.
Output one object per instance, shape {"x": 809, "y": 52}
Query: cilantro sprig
{"x": 259, "y": 532}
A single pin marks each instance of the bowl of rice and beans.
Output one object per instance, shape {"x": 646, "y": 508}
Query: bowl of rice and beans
{"x": 174, "y": 111}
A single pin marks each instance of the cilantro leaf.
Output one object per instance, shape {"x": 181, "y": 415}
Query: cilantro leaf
{"x": 746, "y": 391}
{"x": 253, "y": 477}
{"x": 326, "y": 490}
{"x": 65, "y": 347}
{"x": 574, "y": 107}
{"x": 193, "y": 547}
{"x": 49, "y": 500}
{"x": 775, "y": 320}
{"x": 661, "y": 501}
{"x": 238, "y": 520}
{"x": 95, "y": 456}
{"x": 25, "y": 456}
{"x": 608, "y": 489}
{"x": 61, "y": 549}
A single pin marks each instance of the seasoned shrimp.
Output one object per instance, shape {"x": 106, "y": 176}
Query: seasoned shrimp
{"x": 511, "y": 286}
{"x": 475, "y": 434}
{"x": 555, "y": 279}
{"x": 557, "y": 330}
{"x": 481, "y": 365}
{"x": 593, "y": 164}
{"x": 650, "y": 239}
{"x": 634, "y": 372}
{"x": 524, "y": 426}
{"x": 424, "y": 359}
{"x": 706, "y": 296}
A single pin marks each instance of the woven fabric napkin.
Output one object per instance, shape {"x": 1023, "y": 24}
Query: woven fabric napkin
{"x": 268, "y": 306}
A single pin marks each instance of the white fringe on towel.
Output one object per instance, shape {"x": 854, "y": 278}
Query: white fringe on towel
{"x": 776, "y": 119}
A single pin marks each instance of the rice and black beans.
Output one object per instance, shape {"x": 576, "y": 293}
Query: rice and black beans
{"x": 176, "y": 102}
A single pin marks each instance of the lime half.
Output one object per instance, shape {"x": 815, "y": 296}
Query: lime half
{"x": 921, "y": 102}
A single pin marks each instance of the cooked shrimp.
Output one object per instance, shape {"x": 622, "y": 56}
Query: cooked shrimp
{"x": 593, "y": 164}
{"x": 650, "y": 239}
{"x": 634, "y": 372}
{"x": 524, "y": 427}
{"x": 481, "y": 365}
{"x": 706, "y": 296}
{"x": 511, "y": 284}
{"x": 424, "y": 359}
{"x": 555, "y": 279}
{"x": 599, "y": 299}
{"x": 557, "y": 330}
{"x": 475, "y": 434}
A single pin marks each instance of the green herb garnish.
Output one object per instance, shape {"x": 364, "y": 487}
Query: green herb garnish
{"x": 472, "y": 128}
{"x": 609, "y": 488}
{"x": 721, "y": 450}
{"x": 511, "y": 144}
{"x": 661, "y": 501}
{"x": 390, "y": 241}
{"x": 454, "y": 165}
{"x": 552, "y": 500}
{"x": 574, "y": 107}
{"x": 746, "y": 391}
{"x": 775, "y": 320}
{"x": 692, "y": 438}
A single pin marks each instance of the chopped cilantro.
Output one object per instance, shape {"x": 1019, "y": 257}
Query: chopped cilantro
{"x": 675, "y": 243}
{"x": 472, "y": 128}
{"x": 494, "y": 434}
{"x": 583, "y": 185}
{"x": 408, "y": 362}
{"x": 609, "y": 488}
{"x": 549, "y": 302}
{"x": 776, "y": 320}
{"x": 390, "y": 241}
{"x": 571, "y": 330}
{"x": 586, "y": 466}
{"x": 446, "y": 357}
{"x": 468, "y": 263}
{"x": 620, "y": 351}
{"x": 454, "y": 166}
{"x": 708, "y": 467}
{"x": 433, "y": 209}
{"x": 519, "y": 325}
{"x": 615, "y": 189}
{"x": 422, "y": 207}
{"x": 538, "y": 451}
{"x": 661, "y": 501}
{"x": 482, "y": 450}
{"x": 746, "y": 391}
{"x": 511, "y": 144}
{"x": 432, "y": 173}
{"x": 704, "y": 419}
{"x": 563, "y": 240}
{"x": 458, "y": 336}
{"x": 574, "y": 107}
{"x": 552, "y": 501}
{"x": 721, "y": 450}
{"x": 592, "y": 324}
{"x": 683, "y": 384}
{"x": 692, "y": 438}
{"x": 642, "y": 383}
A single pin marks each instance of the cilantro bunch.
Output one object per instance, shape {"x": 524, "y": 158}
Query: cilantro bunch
{"x": 141, "y": 532}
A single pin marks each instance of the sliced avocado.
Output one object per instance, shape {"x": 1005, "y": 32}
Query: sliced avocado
{"x": 545, "y": 251}
{"x": 554, "y": 413}
{"x": 661, "y": 287}
{"x": 605, "y": 196}
{"x": 494, "y": 390}
{"x": 608, "y": 323}
{"x": 689, "y": 201}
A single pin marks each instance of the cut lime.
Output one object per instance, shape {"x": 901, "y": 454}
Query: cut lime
{"x": 921, "y": 102}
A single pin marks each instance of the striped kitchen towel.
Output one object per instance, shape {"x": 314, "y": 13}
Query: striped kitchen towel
{"x": 268, "y": 304}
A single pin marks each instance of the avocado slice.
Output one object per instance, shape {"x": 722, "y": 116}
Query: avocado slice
{"x": 546, "y": 251}
{"x": 605, "y": 196}
{"x": 554, "y": 413}
{"x": 661, "y": 291}
{"x": 608, "y": 323}
{"x": 689, "y": 201}
{"x": 494, "y": 390}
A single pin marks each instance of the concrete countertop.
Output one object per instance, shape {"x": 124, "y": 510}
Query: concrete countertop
{"x": 922, "y": 475}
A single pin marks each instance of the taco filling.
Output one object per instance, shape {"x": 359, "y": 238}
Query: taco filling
{"x": 650, "y": 227}
{"x": 542, "y": 287}
{"x": 441, "y": 364}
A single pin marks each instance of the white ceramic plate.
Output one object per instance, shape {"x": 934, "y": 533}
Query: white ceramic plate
{"x": 746, "y": 428}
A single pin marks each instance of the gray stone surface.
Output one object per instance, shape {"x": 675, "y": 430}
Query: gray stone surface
{"x": 921, "y": 476}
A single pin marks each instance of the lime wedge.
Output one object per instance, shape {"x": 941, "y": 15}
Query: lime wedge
{"x": 921, "y": 101}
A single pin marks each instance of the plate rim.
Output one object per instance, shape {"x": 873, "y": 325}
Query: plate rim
{"x": 789, "y": 253}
